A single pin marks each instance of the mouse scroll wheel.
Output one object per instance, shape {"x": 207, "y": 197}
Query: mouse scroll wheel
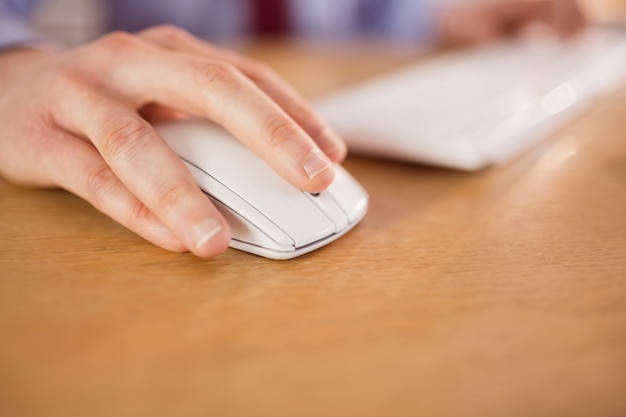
{"x": 315, "y": 194}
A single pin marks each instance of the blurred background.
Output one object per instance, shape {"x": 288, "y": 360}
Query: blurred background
{"x": 76, "y": 21}
{"x": 608, "y": 12}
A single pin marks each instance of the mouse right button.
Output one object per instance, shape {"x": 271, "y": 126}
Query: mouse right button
{"x": 331, "y": 209}
{"x": 349, "y": 194}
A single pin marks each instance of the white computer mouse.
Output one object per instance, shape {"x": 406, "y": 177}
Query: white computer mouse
{"x": 268, "y": 216}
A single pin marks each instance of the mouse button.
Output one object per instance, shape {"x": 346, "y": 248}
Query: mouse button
{"x": 331, "y": 209}
{"x": 273, "y": 198}
{"x": 349, "y": 194}
{"x": 238, "y": 169}
{"x": 245, "y": 233}
{"x": 217, "y": 191}
{"x": 295, "y": 214}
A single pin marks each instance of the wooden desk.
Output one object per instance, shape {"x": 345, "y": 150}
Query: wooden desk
{"x": 500, "y": 293}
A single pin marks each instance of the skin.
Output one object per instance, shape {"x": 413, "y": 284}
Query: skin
{"x": 87, "y": 129}
{"x": 482, "y": 21}
{"x": 79, "y": 119}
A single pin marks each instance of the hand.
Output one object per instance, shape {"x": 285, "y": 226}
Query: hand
{"x": 79, "y": 120}
{"x": 486, "y": 20}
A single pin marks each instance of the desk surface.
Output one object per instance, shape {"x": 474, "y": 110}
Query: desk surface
{"x": 498, "y": 293}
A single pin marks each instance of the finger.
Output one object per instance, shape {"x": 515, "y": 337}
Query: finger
{"x": 219, "y": 92}
{"x": 147, "y": 167}
{"x": 76, "y": 166}
{"x": 562, "y": 16}
{"x": 568, "y": 17}
{"x": 281, "y": 92}
{"x": 479, "y": 23}
{"x": 139, "y": 72}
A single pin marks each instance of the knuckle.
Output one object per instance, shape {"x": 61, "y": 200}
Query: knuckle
{"x": 99, "y": 182}
{"x": 171, "y": 34}
{"x": 169, "y": 196}
{"x": 67, "y": 79}
{"x": 208, "y": 75}
{"x": 123, "y": 136}
{"x": 118, "y": 43}
{"x": 139, "y": 213}
{"x": 279, "y": 130}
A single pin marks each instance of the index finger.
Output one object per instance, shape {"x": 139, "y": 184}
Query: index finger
{"x": 144, "y": 163}
{"x": 220, "y": 92}
{"x": 263, "y": 76}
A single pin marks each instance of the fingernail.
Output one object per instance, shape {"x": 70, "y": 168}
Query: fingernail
{"x": 315, "y": 164}
{"x": 204, "y": 231}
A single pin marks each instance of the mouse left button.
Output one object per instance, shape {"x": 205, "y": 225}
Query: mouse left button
{"x": 244, "y": 216}
{"x": 247, "y": 234}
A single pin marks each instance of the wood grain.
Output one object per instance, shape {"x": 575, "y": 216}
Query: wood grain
{"x": 499, "y": 293}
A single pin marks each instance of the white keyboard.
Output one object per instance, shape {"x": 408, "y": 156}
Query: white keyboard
{"x": 469, "y": 109}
